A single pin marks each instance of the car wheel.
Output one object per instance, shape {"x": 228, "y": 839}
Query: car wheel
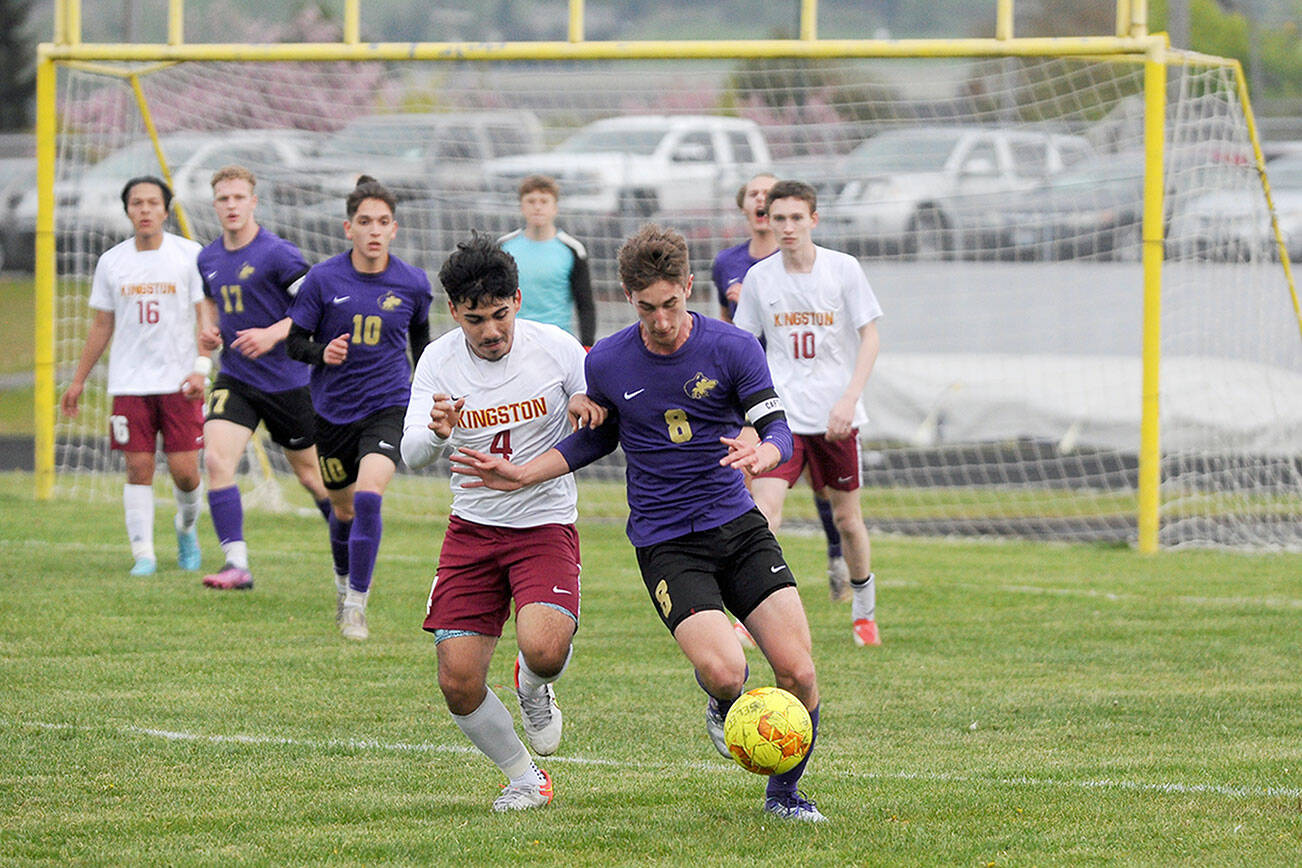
{"x": 929, "y": 236}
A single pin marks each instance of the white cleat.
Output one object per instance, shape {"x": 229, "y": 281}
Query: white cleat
{"x": 714, "y": 726}
{"x": 352, "y": 623}
{"x": 522, "y": 798}
{"x": 540, "y": 715}
{"x": 743, "y": 636}
{"x": 838, "y": 580}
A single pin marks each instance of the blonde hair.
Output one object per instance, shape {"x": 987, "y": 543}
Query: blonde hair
{"x": 233, "y": 173}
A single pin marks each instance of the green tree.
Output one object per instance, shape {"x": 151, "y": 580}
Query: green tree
{"x": 17, "y": 67}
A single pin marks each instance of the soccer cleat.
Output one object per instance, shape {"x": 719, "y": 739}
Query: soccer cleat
{"x": 352, "y": 623}
{"x": 743, "y": 635}
{"x": 540, "y": 715}
{"x": 187, "y": 549}
{"x": 144, "y": 567}
{"x": 793, "y": 806}
{"x": 516, "y": 797}
{"x": 341, "y": 594}
{"x": 838, "y": 580}
{"x": 714, "y": 726}
{"x": 865, "y": 632}
{"x": 231, "y": 578}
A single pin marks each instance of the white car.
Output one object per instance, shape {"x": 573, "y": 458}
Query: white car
{"x": 1234, "y": 224}
{"x": 641, "y": 165}
{"x": 929, "y": 191}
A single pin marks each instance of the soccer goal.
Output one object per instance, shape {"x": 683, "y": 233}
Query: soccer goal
{"x": 1091, "y": 328}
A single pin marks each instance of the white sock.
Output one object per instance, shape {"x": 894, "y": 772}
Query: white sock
{"x": 532, "y": 682}
{"x": 341, "y": 583}
{"x": 187, "y": 507}
{"x": 864, "y": 605}
{"x": 356, "y": 598}
{"x": 237, "y": 553}
{"x": 138, "y": 501}
{"x": 491, "y": 728}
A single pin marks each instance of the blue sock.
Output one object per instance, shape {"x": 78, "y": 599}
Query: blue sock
{"x": 326, "y": 509}
{"x": 364, "y": 541}
{"x": 785, "y": 783}
{"x": 340, "y": 531}
{"x": 829, "y": 526}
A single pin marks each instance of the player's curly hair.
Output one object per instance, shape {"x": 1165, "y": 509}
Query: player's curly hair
{"x": 655, "y": 253}
{"x": 369, "y": 188}
{"x": 479, "y": 271}
{"x": 148, "y": 179}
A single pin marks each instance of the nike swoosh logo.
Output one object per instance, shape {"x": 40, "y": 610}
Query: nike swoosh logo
{"x": 629, "y": 396}
{"x": 339, "y": 300}
{"x": 844, "y": 479}
{"x": 556, "y": 590}
{"x": 295, "y": 441}
{"x": 211, "y": 275}
{"x": 779, "y": 568}
{"x": 385, "y": 444}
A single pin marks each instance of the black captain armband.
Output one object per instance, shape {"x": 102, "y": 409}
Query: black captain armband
{"x": 762, "y": 409}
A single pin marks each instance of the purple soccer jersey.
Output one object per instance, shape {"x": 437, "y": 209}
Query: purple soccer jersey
{"x": 730, "y": 266}
{"x": 376, "y": 311}
{"x": 668, "y": 413}
{"x": 250, "y": 288}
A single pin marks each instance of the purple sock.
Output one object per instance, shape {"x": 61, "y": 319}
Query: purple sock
{"x": 227, "y": 514}
{"x": 340, "y": 531}
{"x": 364, "y": 543}
{"x": 829, "y": 527}
{"x": 785, "y": 783}
{"x": 724, "y": 704}
{"x": 326, "y": 509}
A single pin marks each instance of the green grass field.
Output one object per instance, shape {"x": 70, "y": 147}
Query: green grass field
{"x": 1033, "y": 704}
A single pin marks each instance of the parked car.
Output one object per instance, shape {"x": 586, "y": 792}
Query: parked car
{"x": 641, "y": 165}
{"x": 88, "y": 209}
{"x": 1235, "y": 225}
{"x": 1093, "y": 209}
{"x": 925, "y": 191}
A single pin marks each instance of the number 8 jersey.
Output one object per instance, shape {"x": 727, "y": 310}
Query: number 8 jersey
{"x": 377, "y": 312}
{"x": 810, "y": 324}
{"x": 151, "y": 294}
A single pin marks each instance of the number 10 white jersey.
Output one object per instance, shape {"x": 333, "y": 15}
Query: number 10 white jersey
{"x": 515, "y": 408}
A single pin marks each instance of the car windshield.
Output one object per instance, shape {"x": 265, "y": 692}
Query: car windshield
{"x": 600, "y": 141}
{"x": 902, "y": 152}
{"x": 139, "y": 159}
{"x": 378, "y": 140}
{"x": 1101, "y": 173}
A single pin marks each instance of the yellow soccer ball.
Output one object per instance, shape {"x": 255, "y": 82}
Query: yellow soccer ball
{"x": 768, "y": 731}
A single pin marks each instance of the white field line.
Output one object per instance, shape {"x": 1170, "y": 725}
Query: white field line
{"x": 1171, "y": 787}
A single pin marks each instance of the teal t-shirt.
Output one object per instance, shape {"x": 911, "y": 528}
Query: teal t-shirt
{"x": 545, "y": 268}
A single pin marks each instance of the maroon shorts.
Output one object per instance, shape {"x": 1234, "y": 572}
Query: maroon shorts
{"x": 482, "y": 568}
{"x": 831, "y": 464}
{"x": 137, "y": 421}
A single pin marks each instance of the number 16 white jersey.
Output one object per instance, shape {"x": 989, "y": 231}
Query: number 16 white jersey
{"x": 151, "y": 294}
{"x": 810, "y": 324}
{"x": 515, "y": 407}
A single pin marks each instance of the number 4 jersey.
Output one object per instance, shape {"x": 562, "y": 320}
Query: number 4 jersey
{"x": 810, "y": 324}
{"x": 515, "y": 408}
{"x": 151, "y": 294}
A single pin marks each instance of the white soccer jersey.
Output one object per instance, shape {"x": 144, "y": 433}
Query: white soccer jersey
{"x": 810, "y": 323}
{"x": 151, "y": 294}
{"x": 515, "y": 407}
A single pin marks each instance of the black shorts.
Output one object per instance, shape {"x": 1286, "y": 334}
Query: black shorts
{"x": 734, "y": 567}
{"x": 288, "y": 415}
{"x": 340, "y": 447}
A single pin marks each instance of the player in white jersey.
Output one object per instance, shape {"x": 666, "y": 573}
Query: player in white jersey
{"x": 514, "y": 388}
{"x": 817, "y": 314}
{"x": 148, "y": 298}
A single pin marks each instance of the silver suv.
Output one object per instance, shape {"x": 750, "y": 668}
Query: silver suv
{"x": 929, "y": 191}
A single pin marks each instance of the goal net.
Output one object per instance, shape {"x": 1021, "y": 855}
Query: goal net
{"x": 995, "y": 205}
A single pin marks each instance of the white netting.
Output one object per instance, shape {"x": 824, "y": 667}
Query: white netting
{"x": 995, "y": 204}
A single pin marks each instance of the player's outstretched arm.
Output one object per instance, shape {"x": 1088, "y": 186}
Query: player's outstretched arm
{"x": 257, "y": 342}
{"x": 502, "y": 475}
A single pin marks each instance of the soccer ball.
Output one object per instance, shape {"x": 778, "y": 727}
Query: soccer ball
{"x": 768, "y": 731}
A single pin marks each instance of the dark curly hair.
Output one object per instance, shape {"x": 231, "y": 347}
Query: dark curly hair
{"x": 479, "y": 271}
{"x": 148, "y": 179}
{"x": 369, "y": 188}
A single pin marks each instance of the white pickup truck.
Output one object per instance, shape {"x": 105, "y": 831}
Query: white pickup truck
{"x": 641, "y": 165}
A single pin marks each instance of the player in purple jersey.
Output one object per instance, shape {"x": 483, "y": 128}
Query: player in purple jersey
{"x": 249, "y": 278}
{"x": 353, "y": 319}
{"x": 677, "y": 388}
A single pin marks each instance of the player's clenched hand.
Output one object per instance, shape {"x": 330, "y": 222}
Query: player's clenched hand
{"x": 336, "y": 351}
{"x": 749, "y": 458}
{"x": 733, "y": 293}
{"x": 254, "y": 342}
{"x": 70, "y": 402}
{"x": 445, "y": 414}
{"x": 210, "y": 338}
{"x": 585, "y": 411}
{"x": 840, "y": 420}
{"x": 493, "y": 472}
{"x": 192, "y": 386}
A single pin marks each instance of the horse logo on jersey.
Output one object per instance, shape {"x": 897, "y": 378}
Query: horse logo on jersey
{"x": 389, "y": 301}
{"x": 246, "y": 271}
{"x": 699, "y": 386}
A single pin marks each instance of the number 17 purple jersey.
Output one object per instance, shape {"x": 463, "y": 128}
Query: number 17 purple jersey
{"x": 668, "y": 412}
